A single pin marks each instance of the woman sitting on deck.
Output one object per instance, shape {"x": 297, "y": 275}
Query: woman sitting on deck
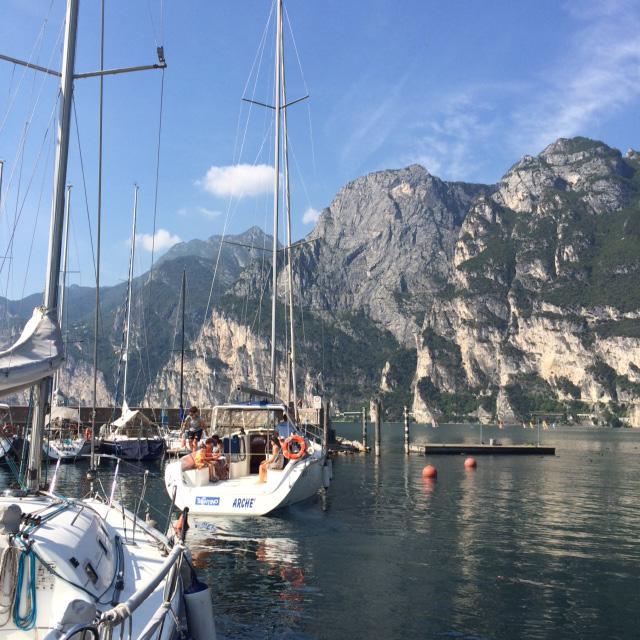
{"x": 219, "y": 460}
{"x": 275, "y": 461}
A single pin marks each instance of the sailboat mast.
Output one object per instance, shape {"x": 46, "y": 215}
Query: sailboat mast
{"x": 184, "y": 294}
{"x": 56, "y": 228}
{"x": 285, "y": 156}
{"x": 130, "y": 285}
{"x": 63, "y": 284}
{"x": 276, "y": 195}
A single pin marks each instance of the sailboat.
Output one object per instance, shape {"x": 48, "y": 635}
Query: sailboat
{"x": 78, "y": 568}
{"x": 132, "y": 436}
{"x": 246, "y": 426}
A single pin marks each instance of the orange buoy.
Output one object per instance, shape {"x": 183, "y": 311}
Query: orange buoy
{"x": 470, "y": 463}
{"x": 429, "y": 472}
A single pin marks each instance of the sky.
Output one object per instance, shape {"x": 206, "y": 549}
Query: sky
{"x": 464, "y": 88}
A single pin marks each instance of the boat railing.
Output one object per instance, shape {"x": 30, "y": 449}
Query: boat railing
{"x": 123, "y": 612}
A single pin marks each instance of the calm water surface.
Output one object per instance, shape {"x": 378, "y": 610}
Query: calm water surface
{"x": 521, "y": 547}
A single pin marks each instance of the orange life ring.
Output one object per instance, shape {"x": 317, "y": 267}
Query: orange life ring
{"x": 87, "y": 434}
{"x": 299, "y": 449}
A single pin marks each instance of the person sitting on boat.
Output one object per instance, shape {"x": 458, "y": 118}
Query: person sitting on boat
{"x": 194, "y": 426}
{"x": 274, "y": 461}
{"x": 204, "y": 458}
{"x": 219, "y": 459}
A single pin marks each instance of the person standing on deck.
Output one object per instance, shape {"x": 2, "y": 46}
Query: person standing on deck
{"x": 193, "y": 425}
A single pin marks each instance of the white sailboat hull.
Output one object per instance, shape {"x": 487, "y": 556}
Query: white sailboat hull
{"x": 76, "y": 541}
{"x": 300, "y": 480}
{"x": 65, "y": 451}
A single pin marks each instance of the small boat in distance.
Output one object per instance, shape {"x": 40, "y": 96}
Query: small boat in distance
{"x": 65, "y": 440}
{"x": 132, "y": 436}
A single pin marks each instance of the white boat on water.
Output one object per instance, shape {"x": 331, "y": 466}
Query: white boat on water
{"x": 83, "y": 568}
{"x": 65, "y": 440}
{"x": 246, "y": 427}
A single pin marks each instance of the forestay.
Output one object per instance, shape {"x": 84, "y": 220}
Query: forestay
{"x": 36, "y": 355}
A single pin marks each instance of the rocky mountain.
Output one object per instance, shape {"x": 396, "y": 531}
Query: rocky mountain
{"x": 457, "y": 299}
{"x": 541, "y": 312}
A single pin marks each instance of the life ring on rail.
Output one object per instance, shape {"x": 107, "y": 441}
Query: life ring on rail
{"x": 87, "y": 434}
{"x": 294, "y": 447}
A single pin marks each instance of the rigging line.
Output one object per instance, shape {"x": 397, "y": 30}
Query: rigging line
{"x": 237, "y": 154}
{"x": 35, "y": 226}
{"x": 96, "y": 324}
{"x": 13, "y": 231}
{"x": 300, "y": 174}
{"x": 9, "y": 250}
{"x": 84, "y": 185}
{"x": 228, "y": 218}
{"x": 306, "y": 90}
{"x": 261, "y": 50}
{"x": 155, "y": 196}
{"x": 30, "y": 120}
{"x": 36, "y": 44}
{"x": 153, "y": 24}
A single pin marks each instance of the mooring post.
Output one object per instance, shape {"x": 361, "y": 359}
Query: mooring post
{"x": 406, "y": 430}
{"x": 376, "y": 417}
{"x": 364, "y": 428}
{"x": 325, "y": 424}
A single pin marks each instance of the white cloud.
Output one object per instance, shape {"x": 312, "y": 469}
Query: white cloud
{"x": 209, "y": 213}
{"x": 598, "y": 74}
{"x": 310, "y": 216}
{"x": 163, "y": 240}
{"x": 239, "y": 180}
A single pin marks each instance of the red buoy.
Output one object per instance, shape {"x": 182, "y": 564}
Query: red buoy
{"x": 470, "y": 463}
{"x": 429, "y": 472}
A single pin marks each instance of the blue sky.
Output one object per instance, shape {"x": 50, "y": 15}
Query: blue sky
{"x": 464, "y": 88}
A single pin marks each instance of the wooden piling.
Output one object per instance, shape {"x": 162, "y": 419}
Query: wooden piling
{"x": 375, "y": 409}
{"x": 325, "y": 424}
{"x": 364, "y": 428}
{"x": 406, "y": 430}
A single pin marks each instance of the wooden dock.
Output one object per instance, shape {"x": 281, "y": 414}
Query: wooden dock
{"x": 483, "y": 449}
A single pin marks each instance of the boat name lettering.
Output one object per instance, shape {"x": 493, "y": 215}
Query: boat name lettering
{"x": 243, "y": 503}
{"x": 207, "y": 501}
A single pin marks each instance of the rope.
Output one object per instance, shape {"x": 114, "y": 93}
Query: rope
{"x": 8, "y": 572}
{"x": 84, "y": 183}
{"x": 28, "y": 620}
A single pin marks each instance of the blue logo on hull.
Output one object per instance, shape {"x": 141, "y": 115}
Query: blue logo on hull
{"x": 205, "y": 501}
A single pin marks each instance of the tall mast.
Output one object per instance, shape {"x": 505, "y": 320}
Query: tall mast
{"x": 183, "y": 296}
{"x": 285, "y": 156}
{"x": 276, "y": 194}
{"x": 56, "y": 228}
{"x": 63, "y": 284}
{"x": 125, "y": 406}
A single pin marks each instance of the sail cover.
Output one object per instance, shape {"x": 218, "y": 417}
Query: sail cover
{"x": 131, "y": 416}
{"x": 36, "y": 355}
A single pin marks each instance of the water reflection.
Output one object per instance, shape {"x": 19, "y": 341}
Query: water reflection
{"x": 519, "y": 547}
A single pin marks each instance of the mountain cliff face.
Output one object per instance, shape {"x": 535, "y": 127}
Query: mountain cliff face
{"x": 384, "y": 246}
{"x": 458, "y": 299}
{"x": 542, "y": 307}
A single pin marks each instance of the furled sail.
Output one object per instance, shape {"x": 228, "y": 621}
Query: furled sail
{"x": 36, "y": 355}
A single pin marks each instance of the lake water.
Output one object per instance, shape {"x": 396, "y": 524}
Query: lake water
{"x": 521, "y": 547}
